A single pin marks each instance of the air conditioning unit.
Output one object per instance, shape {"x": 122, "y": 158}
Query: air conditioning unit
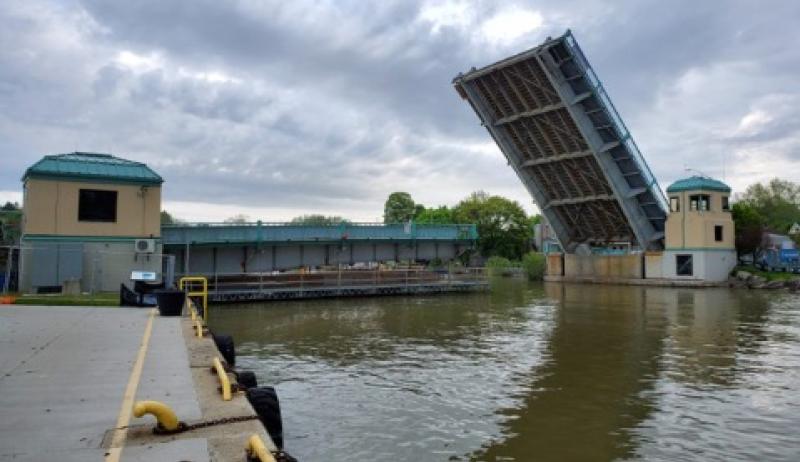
{"x": 144, "y": 245}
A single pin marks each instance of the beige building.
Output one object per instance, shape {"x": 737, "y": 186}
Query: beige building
{"x": 89, "y": 221}
{"x": 699, "y": 233}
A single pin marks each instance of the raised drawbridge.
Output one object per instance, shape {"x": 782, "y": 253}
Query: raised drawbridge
{"x": 549, "y": 114}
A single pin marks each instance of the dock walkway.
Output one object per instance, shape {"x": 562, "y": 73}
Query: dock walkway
{"x": 65, "y": 371}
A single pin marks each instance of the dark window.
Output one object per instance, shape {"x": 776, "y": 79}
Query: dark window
{"x": 725, "y": 204}
{"x": 718, "y": 233}
{"x": 97, "y": 205}
{"x": 699, "y": 202}
{"x": 683, "y": 265}
{"x": 675, "y": 204}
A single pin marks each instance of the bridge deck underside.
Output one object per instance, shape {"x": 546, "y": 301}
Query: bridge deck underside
{"x": 556, "y": 126}
{"x": 526, "y": 108}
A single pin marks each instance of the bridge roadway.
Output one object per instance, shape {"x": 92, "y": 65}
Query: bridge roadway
{"x": 64, "y": 375}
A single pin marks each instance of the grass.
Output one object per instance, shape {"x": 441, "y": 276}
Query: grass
{"x": 769, "y": 276}
{"x": 100, "y": 299}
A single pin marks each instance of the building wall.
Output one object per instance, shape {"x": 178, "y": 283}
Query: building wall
{"x": 708, "y": 265}
{"x": 695, "y": 229}
{"x": 51, "y": 208}
{"x": 603, "y": 266}
{"x": 103, "y": 266}
{"x": 554, "y": 265}
{"x": 654, "y": 265}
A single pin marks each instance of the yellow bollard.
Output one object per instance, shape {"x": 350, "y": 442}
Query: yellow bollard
{"x": 257, "y": 449}
{"x": 167, "y": 420}
{"x": 224, "y": 381}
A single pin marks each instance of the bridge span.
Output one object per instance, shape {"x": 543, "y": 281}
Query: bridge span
{"x": 259, "y": 247}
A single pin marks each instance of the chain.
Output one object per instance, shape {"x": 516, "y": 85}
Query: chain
{"x": 182, "y": 427}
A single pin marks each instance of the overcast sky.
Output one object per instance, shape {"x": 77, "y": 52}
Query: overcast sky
{"x": 277, "y": 109}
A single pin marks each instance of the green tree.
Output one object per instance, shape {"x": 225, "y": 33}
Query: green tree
{"x": 167, "y": 218}
{"x": 777, "y": 202}
{"x": 10, "y": 206}
{"x": 441, "y": 215}
{"x": 318, "y": 220}
{"x": 503, "y": 227}
{"x": 399, "y": 208}
{"x": 749, "y": 227}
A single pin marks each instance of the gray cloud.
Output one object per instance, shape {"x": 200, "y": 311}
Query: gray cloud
{"x": 329, "y": 107}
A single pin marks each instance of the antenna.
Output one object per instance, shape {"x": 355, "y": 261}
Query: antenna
{"x": 689, "y": 169}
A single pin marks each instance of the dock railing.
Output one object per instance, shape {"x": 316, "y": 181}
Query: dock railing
{"x": 261, "y": 282}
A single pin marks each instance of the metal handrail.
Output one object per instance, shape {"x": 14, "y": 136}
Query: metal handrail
{"x": 600, "y": 92}
{"x": 203, "y": 293}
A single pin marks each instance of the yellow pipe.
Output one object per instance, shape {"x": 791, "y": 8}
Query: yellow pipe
{"x": 166, "y": 418}
{"x": 199, "y": 328}
{"x": 203, "y": 293}
{"x": 256, "y": 448}
{"x": 224, "y": 381}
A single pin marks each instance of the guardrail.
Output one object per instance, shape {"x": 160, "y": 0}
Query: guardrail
{"x": 188, "y": 282}
{"x": 261, "y": 232}
{"x": 260, "y": 282}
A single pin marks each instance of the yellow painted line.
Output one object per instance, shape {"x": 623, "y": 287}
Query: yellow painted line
{"x": 121, "y": 431}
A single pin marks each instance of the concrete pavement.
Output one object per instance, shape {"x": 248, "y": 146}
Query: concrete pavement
{"x": 63, "y": 374}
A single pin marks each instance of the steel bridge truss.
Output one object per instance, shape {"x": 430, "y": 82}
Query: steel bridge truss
{"x": 554, "y": 122}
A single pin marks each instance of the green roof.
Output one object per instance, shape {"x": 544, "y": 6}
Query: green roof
{"x": 92, "y": 166}
{"x": 695, "y": 183}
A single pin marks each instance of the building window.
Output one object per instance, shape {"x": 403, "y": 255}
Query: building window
{"x": 699, "y": 202}
{"x": 718, "y": 233}
{"x": 683, "y": 265}
{"x": 725, "y": 205}
{"x": 97, "y": 205}
{"x": 675, "y": 204}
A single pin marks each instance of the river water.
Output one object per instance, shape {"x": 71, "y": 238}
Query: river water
{"x": 531, "y": 372}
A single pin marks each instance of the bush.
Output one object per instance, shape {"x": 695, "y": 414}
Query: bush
{"x": 534, "y": 264}
{"x": 498, "y": 265}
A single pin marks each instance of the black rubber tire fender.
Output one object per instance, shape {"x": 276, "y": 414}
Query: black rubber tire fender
{"x": 265, "y": 402}
{"x": 247, "y": 379}
{"x": 226, "y": 348}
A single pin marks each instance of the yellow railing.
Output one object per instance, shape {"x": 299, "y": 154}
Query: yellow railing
{"x": 224, "y": 381}
{"x": 256, "y": 449}
{"x": 194, "y": 293}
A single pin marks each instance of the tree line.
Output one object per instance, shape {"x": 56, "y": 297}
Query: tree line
{"x": 765, "y": 207}
{"x": 504, "y": 229}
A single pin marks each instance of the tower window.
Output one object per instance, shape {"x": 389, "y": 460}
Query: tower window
{"x": 718, "y": 233}
{"x": 725, "y": 205}
{"x": 675, "y": 204}
{"x": 699, "y": 202}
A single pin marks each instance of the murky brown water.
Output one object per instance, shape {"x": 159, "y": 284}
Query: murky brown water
{"x": 532, "y": 372}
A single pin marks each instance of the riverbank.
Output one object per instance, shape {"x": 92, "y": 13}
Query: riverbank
{"x": 70, "y": 375}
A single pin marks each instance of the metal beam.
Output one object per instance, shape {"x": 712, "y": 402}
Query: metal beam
{"x": 558, "y": 158}
{"x": 578, "y": 200}
{"x": 530, "y": 113}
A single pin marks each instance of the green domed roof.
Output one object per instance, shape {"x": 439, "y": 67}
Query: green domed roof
{"x": 701, "y": 183}
{"x": 92, "y": 166}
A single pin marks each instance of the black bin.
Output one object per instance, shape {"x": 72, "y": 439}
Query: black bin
{"x": 170, "y": 301}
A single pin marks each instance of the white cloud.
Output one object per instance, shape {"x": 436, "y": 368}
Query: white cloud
{"x": 754, "y": 121}
{"x": 509, "y": 25}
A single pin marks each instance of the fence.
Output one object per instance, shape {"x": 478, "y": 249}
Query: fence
{"x": 233, "y": 286}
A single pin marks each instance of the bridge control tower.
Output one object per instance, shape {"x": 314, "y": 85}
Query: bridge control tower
{"x": 549, "y": 114}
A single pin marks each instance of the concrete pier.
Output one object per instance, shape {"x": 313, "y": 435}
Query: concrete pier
{"x": 65, "y": 373}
